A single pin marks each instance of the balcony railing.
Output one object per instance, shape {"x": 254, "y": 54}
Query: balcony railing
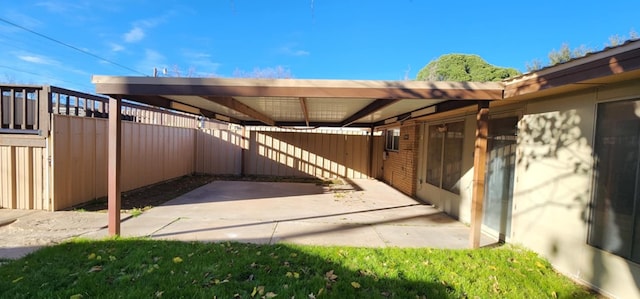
{"x": 26, "y": 109}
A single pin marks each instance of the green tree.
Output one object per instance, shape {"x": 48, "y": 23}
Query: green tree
{"x": 463, "y": 68}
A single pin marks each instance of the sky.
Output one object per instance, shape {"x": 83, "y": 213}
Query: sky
{"x": 65, "y": 42}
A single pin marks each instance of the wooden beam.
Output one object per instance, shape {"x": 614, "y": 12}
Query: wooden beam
{"x": 303, "y": 104}
{"x": 236, "y": 105}
{"x": 371, "y": 108}
{"x": 241, "y": 87}
{"x": 479, "y": 165}
{"x": 114, "y": 158}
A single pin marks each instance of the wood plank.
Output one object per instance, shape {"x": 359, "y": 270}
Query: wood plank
{"x": 23, "y": 110}
{"x": 22, "y": 140}
{"x": 479, "y": 165}
{"x": 12, "y": 109}
{"x": 114, "y": 167}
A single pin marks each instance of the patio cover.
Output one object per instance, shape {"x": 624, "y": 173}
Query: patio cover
{"x": 292, "y": 102}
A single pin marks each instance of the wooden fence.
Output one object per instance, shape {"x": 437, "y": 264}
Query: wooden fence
{"x": 308, "y": 154}
{"x": 150, "y": 154}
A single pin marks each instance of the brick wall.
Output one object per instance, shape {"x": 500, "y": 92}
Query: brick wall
{"x": 400, "y": 168}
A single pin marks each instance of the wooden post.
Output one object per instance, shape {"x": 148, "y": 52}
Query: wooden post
{"x": 479, "y": 165}
{"x": 370, "y": 166}
{"x": 114, "y": 158}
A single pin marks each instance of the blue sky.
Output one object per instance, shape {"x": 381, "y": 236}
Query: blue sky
{"x": 315, "y": 39}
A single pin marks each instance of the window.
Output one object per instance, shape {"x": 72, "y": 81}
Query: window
{"x": 615, "y": 225}
{"x": 393, "y": 140}
{"x": 444, "y": 155}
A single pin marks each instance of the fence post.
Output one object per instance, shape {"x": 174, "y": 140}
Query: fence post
{"x": 45, "y": 106}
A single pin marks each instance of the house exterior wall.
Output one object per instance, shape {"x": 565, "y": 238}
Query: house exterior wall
{"x": 400, "y": 167}
{"x": 553, "y": 188}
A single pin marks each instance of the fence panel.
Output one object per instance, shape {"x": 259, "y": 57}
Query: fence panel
{"x": 310, "y": 154}
{"x": 219, "y": 152}
{"x": 23, "y": 176}
{"x": 150, "y": 154}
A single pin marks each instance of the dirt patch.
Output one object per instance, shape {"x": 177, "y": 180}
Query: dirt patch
{"x": 141, "y": 199}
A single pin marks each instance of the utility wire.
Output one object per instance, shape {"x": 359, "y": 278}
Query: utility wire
{"x": 43, "y": 76}
{"x": 71, "y": 46}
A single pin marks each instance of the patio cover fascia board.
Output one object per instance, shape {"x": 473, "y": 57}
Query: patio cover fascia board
{"x": 124, "y": 86}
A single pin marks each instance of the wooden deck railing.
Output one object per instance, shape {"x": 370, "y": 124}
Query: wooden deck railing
{"x": 23, "y": 109}
{"x": 26, "y": 109}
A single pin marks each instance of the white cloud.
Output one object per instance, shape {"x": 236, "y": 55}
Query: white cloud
{"x": 134, "y": 35}
{"x": 116, "y": 47}
{"x": 201, "y": 63}
{"x": 37, "y": 59}
{"x": 152, "y": 59}
{"x": 292, "y": 50}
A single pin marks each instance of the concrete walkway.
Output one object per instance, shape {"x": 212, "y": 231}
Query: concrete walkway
{"x": 364, "y": 213}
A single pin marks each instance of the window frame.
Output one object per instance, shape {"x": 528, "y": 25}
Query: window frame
{"x": 392, "y": 138}
{"x": 441, "y": 148}
{"x": 602, "y": 208}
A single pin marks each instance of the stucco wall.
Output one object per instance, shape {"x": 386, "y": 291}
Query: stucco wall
{"x": 553, "y": 188}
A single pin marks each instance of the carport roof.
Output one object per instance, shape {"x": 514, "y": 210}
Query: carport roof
{"x": 297, "y": 102}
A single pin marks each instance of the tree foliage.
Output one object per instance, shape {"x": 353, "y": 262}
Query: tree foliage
{"x": 463, "y": 68}
{"x": 565, "y": 53}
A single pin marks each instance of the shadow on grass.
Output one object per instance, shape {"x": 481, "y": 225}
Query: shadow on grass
{"x": 140, "y": 268}
{"x": 145, "y": 269}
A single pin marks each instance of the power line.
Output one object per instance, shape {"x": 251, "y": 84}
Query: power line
{"x": 71, "y": 46}
{"x": 42, "y": 75}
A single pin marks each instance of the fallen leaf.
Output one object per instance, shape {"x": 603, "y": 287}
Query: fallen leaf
{"x": 320, "y": 291}
{"x": 355, "y": 285}
{"x": 270, "y": 295}
{"x": 159, "y": 294}
{"x": 254, "y": 292}
{"x": 91, "y": 256}
{"x": 76, "y": 296}
{"x": 112, "y": 258}
{"x": 330, "y": 276}
{"x": 95, "y": 269}
{"x": 554, "y": 294}
{"x": 311, "y": 296}
{"x": 177, "y": 260}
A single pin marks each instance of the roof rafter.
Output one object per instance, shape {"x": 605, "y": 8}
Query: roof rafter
{"x": 371, "y": 108}
{"x": 238, "y": 106}
{"x": 305, "y": 111}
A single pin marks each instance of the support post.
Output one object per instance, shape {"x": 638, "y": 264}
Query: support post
{"x": 479, "y": 165}
{"x": 114, "y": 158}
{"x": 371, "y": 175}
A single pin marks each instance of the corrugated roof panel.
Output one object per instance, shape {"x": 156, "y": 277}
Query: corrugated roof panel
{"x": 278, "y": 108}
{"x": 397, "y": 108}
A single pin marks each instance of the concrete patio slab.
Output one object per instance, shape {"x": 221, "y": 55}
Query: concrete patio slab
{"x": 363, "y": 213}
{"x": 313, "y": 233}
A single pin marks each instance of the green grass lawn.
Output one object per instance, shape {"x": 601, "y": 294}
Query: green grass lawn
{"x": 139, "y": 268}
